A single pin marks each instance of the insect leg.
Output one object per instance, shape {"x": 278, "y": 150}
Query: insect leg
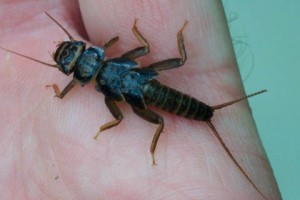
{"x": 64, "y": 91}
{"x": 154, "y": 118}
{"x": 139, "y": 51}
{"x": 173, "y": 62}
{"x": 110, "y": 43}
{"x": 115, "y": 111}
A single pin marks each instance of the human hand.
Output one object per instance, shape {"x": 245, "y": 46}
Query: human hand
{"x": 48, "y": 151}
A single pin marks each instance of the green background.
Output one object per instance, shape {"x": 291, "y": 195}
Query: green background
{"x": 266, "y": 37}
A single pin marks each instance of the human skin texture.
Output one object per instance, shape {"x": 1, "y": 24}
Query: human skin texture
{"x": 47, "y": 146}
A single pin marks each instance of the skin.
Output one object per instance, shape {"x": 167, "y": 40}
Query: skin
{"x": 48, "y": 150}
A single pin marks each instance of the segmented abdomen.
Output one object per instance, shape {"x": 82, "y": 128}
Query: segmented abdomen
{"x": 173, "y": 101}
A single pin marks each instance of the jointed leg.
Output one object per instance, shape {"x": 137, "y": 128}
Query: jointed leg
{"x": 115, "y": 111}
{"x": 173, "y": 62}
{"x": 139, "y": 51}
{"x": 154, "y": 118}
{"x": 65, "y": 90}
{"x": 110, "y": 43}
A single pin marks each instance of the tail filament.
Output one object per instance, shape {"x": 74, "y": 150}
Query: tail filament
{"x": 212, "y": 127}
{"x": 237, "y": 100}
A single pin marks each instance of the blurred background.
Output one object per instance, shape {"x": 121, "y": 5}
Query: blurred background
{"x": 266, "y": 37}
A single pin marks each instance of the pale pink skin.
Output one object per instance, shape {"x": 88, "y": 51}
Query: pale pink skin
{"x": 47, "y": 146}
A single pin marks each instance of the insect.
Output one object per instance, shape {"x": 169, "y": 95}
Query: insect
{"x": 123, "y": 80}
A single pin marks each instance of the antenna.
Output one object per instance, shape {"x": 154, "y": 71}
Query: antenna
{"x": 69, "y": 35}
{"x": 47, "y": 64}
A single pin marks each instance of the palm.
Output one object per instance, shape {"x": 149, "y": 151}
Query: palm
{"x": 48, "y": 150}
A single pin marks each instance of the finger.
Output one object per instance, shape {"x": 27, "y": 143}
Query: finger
{"x": 211, "y": 67}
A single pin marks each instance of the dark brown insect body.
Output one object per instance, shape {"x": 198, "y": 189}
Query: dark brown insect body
{"x": 123, "y": 80}
{"x": 173, "y": 101}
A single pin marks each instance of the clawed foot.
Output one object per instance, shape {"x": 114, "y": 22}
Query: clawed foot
{"x": 56, "y": 90}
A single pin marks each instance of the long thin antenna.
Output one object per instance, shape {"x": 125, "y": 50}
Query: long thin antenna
{"x": 212, "y": 127}
{"x": 50, "y": 65}
{"x": 216, "y": 107}
{"x": 69, "y": 35}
